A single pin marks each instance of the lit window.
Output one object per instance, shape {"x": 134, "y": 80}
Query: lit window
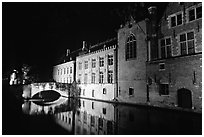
{"x": 110, "y": 76}
{"x": 101, "y": 62}
{"x": 86, "y": 64}
{"x": 110, "y": 59}
{"x": 131, "y": 47}
{"x": 93, "y": 63}
{"x": 101, "y": 77}
{"x": 64, "y": 70}
{"x": 131, "y": 91}
{"x": 187, "y": 43}
{"x": 165, "y": 45}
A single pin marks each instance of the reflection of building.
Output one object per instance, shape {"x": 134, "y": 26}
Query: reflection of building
{"x": 174, "y": 72}
{"x": 95, "y": 118}
{"x": 65, "y": 119}
{"x": 96, "y": 71}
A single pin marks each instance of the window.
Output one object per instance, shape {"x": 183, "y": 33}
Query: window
{"x": 67, "y": 70}
{"x": 61, "y": 71}
{"x": 83, "y": 92}
{"x": 131, "y": 91}
{"x": 79, "y": 78}
{"x": 64, "y": 70}
{"x": 85, "y": 78}
{"x": 176, "y": 19}
{"x": 58, "y": 71}
{"x": 101, "y": 77}
{"x": 92, "y": 121}
{"x": 92, "y": 93}
{"x": 92, "y": 105}
{"x": 187, "y": 44}
{"x": 86, "y": 64}
{"x": 70, "y": 70}
{"x": 70, "y": 79}
{"x": 104, "y": 90}
{"x": 104, "y": 111}
{"x": 93, "y": 63}
{"x": 110, "y": 76}
{"x": 161, "y": 66}
{"x": 194, "y": 13}
{"x": 110, "y": 59}
{"x": 131, "y": 47}
{"x": 93, "y": 77}
{"x": 80, "y": 65}
{"x": 165, "y": 45}
{"x": 164, "y": 89}
{"x": 101, "y": 62}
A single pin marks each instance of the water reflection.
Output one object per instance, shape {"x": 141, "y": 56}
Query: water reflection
{"x": 88, "y": 117}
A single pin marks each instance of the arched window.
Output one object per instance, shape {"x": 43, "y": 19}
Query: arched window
{"x": 131, "y": 47}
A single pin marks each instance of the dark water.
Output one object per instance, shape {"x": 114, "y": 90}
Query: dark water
{"x": 80, "y": 116}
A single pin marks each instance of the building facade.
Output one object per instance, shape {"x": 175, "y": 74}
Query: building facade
{"x": 64, "y": 73}
{"x": 174, "y": 71}
{"x": 132, "y": 54}
{"x": 96, "y": 72}
{"x": 156, "y": 61}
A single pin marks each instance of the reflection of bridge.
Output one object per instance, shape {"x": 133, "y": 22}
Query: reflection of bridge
{"x": 32, "y": 89}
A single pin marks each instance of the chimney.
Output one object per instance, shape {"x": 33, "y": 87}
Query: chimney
{"x": 68, "y": 52}
{"x": 153, "y": 20}
{"x": 84, "y": 45}
{"x": 152, "y": 33}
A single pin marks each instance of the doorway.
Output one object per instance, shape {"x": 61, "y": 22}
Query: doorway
{"x": 184, "y": 98}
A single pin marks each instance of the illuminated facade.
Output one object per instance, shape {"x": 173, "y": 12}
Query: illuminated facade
{"x": 64, "y": 73}
{"x": 96, "y": 72}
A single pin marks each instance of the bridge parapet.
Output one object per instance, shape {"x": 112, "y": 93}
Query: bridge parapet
{"x": 62, "y": 88}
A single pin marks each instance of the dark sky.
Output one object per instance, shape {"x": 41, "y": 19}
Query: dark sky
{"x": 39, "y": 33}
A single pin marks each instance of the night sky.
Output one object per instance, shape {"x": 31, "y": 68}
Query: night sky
{"x": 38, "y": 34}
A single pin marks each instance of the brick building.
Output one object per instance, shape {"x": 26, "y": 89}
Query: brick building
{"x": 175, "y": 57}
{"x": 96, "y": 71}
{"x": 132, "y": 54}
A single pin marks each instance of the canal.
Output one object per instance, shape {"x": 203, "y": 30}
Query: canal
{"x": 88, "y": 117}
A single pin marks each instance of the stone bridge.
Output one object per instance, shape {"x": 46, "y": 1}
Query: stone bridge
{"x": 30, "y": 90}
